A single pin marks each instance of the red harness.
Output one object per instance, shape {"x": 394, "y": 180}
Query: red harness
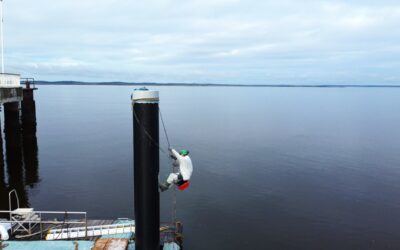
{"x": 183, "y": 186}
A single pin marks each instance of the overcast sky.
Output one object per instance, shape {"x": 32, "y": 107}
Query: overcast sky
{"x": 218, "y": 41}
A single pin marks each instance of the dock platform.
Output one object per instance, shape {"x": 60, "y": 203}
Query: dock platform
{"x": 169, "y": 233}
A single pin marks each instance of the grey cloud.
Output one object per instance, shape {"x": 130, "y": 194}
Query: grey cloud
{"x": 217, "y": 41}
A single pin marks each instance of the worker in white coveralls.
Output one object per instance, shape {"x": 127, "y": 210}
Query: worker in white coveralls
{"x": 3, "y": 234}
{"x": 181, "y": 179}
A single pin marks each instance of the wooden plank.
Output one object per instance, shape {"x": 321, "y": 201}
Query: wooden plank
{"x": 111, "y": 244}
{"x": 100, "y": 244}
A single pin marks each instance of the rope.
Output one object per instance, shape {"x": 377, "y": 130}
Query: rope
{"x": 173, "y": 201}
{"x": 173, "y": 171}
{"x": 165, "y": 130}
{"x": 36, "y": 233}
{"x": 147, "y": 133}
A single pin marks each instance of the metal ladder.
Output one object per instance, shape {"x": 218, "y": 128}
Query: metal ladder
{"x": 91, "y": 231}
{"x": 22, "y": 219}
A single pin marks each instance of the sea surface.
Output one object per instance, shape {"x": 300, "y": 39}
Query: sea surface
{"x": 274, "y": 168}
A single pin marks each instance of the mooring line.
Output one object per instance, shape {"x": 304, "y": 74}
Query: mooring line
{"x": 173, "y": 171}
{"x": 147, "y": 133}
{"x": 165, "y": 129}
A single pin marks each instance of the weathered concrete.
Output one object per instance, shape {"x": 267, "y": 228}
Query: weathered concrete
{"x": 10, "y": 95}
{"x": 8, "y": 80}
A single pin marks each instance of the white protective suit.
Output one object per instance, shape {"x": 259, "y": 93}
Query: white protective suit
{"x": 185, "y": 168}
{"x": 3, "y": 233}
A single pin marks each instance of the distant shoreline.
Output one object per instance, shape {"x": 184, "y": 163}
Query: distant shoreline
{"x": 217, "y": 85}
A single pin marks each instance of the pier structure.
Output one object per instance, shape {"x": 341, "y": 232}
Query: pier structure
{"x": 13, "y": 146}
{"x": 146, "y": 168}
{"x": 3, "y": 184}
{"x": 10, "y": 88}
{"x": 29, "y": 139}
{"x": 20, "y": 151}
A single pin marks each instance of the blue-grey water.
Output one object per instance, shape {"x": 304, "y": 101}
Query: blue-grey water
{"x": 274, "y": 168}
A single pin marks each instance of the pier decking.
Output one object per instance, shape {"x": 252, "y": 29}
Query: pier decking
{"x": 169, "y": 233}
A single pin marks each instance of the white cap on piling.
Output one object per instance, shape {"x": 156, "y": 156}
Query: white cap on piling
{"x": 143, "y": 95}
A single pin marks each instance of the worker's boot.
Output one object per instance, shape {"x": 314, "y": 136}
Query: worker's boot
{"x": 164, "y": 186}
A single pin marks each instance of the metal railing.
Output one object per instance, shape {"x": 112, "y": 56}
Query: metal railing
{"x": 42, "y": 218}
{"x": 24, "y": 219}
{"x": 92, "y": 231}
{"x": 9, "y": 200}
{"x": 29, "y": 82}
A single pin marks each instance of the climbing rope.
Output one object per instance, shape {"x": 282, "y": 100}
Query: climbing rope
{"x": 146, "y": 132}
{"x": 165, "y": 130}
{"x": 174, "y": 170}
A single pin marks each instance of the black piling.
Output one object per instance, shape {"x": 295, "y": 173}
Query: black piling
{"x": 3, "y": 186}
{"x": 146, "y": 169}
{"x": 29, "y": 139}
{"x": 13, "y": 143}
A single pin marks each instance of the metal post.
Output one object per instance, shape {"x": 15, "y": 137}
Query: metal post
{"x": 86, "y": 237}
{"x": 3, "y": 184}
{"x": 41, "y": 226}
{"x": 146, "y": 169}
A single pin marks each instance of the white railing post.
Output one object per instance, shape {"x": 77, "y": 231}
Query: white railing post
{"x": 2, "y": 39}
{"x": 86, "y": 226}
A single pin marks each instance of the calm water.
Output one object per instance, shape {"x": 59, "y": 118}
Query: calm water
{"x": 275, "y": 168}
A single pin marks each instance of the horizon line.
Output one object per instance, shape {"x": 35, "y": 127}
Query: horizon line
{"x": 120, "y": 83}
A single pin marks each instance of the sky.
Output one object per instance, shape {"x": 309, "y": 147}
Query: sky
{"x": 205, "y": 41}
